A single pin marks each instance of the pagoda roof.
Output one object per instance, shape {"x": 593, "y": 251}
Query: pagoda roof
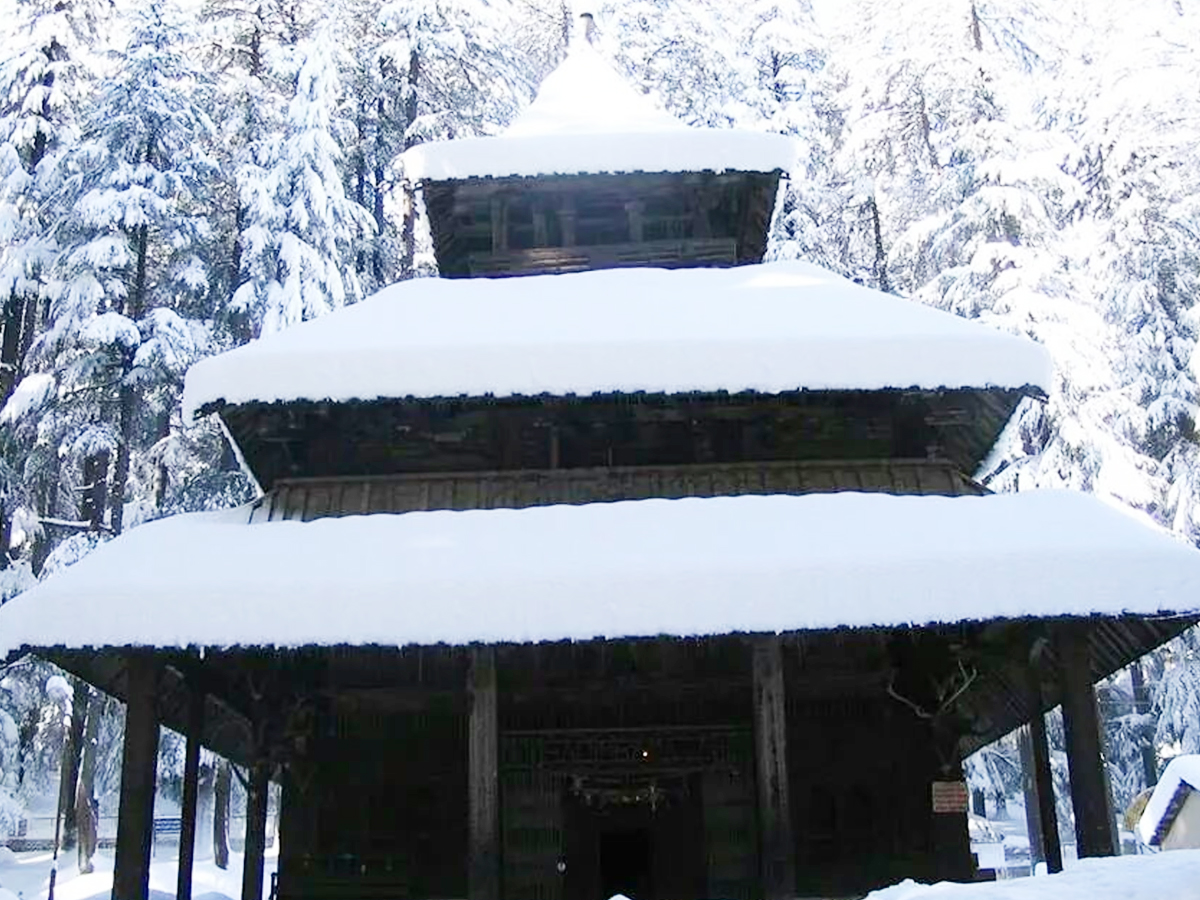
{"x": 690, "y": 567}
{"x": 770, "y": 328}
{"x": 587, "y": 119}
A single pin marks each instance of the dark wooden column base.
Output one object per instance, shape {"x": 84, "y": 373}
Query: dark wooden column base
{"x": 256, "y": 830}
{"x": 139, "y": 761}
{"x": 191, "y": 784}
{"x": 1081, "y": 726}
{"x": 778, "y": 866}
{"x": 483, "y": 864}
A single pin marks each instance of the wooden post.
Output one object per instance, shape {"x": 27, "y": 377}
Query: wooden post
{"x": 499, "y": 212}
{"x": 1033, "y": 819}
{"x": 566, "y": 221}
{"x": 1043, "y": 778}
{"x": 139, "y": 760}
{"x": 1081, "y": 727}
{"x": 191, "y": 786}
{"x": 777, "y": 860}
{"x": 256, "y": 830}
{"x": 635, "y": 210}
{"x": 483, "y": 864}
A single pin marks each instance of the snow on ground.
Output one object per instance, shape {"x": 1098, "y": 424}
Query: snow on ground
{"x": 1174, "y": 875}
{"x": 1181, "y": 770}
{"x": 773, "y": 327}
{"x": 582, "y": 98}
{"x": 636, "y": 568}
{"x": 26, "y": 876}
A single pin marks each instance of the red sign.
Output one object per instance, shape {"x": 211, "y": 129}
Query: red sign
{"x": 950, "y": 797}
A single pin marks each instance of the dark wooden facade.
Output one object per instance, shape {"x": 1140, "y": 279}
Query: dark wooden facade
{"x": 572, "y": 223}
{"x": 636, "y": 764}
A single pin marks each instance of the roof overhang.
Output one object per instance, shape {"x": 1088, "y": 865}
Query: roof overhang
{"x": 644, "y": 568}
{"x": 767, "y": 328}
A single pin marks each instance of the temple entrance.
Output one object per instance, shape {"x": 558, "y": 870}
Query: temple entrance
{"x": 625, "y": 863}
{"x": 640, "y": 841}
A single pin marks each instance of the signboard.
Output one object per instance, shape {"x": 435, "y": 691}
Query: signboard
{"x": 950, "y": 796}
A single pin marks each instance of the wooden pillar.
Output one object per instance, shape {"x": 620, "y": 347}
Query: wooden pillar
{"x": 483, "y": 864}
{"x": 1029, "y": 789}
{"x": 256, "y": 830}
{"x": 1043, "y": 778}
{"x": 777, "y": 865}
{"x": 1081, "y": 727}
{"x": 139, "y": 760}
{"x": 499, "y": 214}
{"x": 191, "y": 785}
{"x": 566, "y": 221}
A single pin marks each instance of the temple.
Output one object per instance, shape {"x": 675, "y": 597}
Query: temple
{"x": 614, "y": 560}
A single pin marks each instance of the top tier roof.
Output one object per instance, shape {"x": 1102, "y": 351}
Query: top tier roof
{"x": 587, "y": 119}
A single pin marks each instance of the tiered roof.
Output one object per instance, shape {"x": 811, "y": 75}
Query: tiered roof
{"x": 631, "y": 569}
{"x": 769, "y": 328}
{"x": 580, "y": 101}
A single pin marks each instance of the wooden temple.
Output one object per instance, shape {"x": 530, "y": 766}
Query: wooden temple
{"x": 744, "y": 764}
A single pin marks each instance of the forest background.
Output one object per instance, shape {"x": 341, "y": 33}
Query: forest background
{"x": 179, "y": 178}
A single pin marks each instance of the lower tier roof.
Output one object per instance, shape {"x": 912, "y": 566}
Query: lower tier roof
{"x": 687, "y": 567}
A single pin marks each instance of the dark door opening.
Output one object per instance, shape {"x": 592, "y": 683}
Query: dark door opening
{"x": 626, "y": 863}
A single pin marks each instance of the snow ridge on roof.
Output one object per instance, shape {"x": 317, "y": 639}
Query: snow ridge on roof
{"x": 585, "y": 95}
{"x": 687, "y": 567}
{"x": 770, "y": 328}
{"x": 587, "y": 119}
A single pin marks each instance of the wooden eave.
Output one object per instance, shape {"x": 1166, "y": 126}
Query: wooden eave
{"x": 358, "y": 439}
{"x": 257, "y": 696}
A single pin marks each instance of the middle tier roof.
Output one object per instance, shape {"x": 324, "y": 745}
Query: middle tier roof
{"x": 770, "y": 328}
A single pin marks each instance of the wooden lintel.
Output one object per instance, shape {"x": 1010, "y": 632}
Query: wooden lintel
{"x": 483, "y": 759}
{"x": 777, "y": 849}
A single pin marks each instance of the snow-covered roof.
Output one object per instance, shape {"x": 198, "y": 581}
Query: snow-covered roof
{"x": 770, "y": 328}
{"x": 635, "y": 568}
{"x": 1181, "y": 775}
{"x": 587, "y": 119}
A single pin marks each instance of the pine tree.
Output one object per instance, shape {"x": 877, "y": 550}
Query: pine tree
{"x": 300, "y": 227}
{"x": 128, "y": 313}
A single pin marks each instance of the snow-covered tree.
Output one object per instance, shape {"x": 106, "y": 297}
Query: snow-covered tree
{"x": 127, "y": 310}
{"x": 301, "y": 229}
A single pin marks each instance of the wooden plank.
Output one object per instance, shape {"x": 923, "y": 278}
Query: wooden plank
{"x": 256, "y": 831}
{"x": 1081, "y": 727}
{"x": 187, "y": 812}
{"x": 483, "y": 846}
{"x": 139, "y": 761}
{"x": 777, "y": 848}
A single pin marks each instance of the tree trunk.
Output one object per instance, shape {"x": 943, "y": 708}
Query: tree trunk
{"x": 881, "y": 276}
{"x": 125, "y": 417}
{"x": 69, "y": 770}
{"x": 205, "y": 796}
{"x": 1141, "y": 705}
{"x": 85, "y": 792}
{"x": 408, "y": 228}
{"x": 221, "y": 792}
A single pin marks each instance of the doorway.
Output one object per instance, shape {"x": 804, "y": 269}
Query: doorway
{"x": 626, "y": 863}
